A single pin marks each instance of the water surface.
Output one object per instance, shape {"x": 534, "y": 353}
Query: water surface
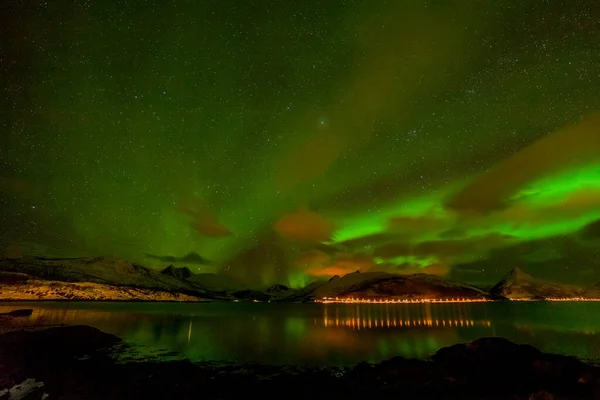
{"x": 327, "y": 334}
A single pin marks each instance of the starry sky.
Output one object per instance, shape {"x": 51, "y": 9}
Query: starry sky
{"x": 285, "y": 141}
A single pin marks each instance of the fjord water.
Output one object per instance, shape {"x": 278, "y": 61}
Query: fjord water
{"x": 326, "y": 334}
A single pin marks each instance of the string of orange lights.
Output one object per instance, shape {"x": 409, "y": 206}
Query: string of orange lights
{"x": 397, "y": 301}
{"x": 350, "y": 300}
{"x": 561, "y": 299}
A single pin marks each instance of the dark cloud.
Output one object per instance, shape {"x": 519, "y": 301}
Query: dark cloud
{"x": 570, "y": 147}
{"x": 452, "y": 234}
{"x": 591, "y": 230}
{"x": 371, "y": 240}
{"x": 203, "y": 221}
{"x": 575, "y": 204}
{"x": 263, "y": 259}
{"x": 304, "y": 226}
{"x": 392, "y": 250}
{"x": 547, "y": 258}
{"x": 413, "y": 268}
{"x": 444, "y": 249}
{"x": 423, "y": 223}
{"x": 190, "y": 258}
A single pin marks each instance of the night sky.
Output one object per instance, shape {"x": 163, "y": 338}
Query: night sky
{"x": 284, "y": 140}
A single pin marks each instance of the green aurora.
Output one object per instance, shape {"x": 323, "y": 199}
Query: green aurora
{"x": 282, "y": 142}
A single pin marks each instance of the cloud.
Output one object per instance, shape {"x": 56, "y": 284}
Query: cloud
{"x": 453, "y": 233}
{"x": 392, "y": 250}
{"x": 311, "y": 258}
{"x": 414, "y": 225}
{"x": 263, "y": 260}
{"x": 571, "y": 147}
{"x": 343, "y": 265}
{"x": 304, "y": 226}
{"x": 445, "y": 249}
{"x": 368, "y": 241}
{"x": 409, "y": 268}
{"x": 591, "y": 230}
{"x": 436, "y": 269}
{"x": 203, "y": 221}
{"x": 576, "y": 204}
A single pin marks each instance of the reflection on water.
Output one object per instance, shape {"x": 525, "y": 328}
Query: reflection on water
{"x": 392, "y": 316}
{"x": 332, "y": 334}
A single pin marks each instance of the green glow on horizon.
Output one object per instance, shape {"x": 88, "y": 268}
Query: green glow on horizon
{"x": 298, "y": 279}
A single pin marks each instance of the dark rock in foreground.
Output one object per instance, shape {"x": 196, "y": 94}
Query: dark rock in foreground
{"x": 74, "y": 363}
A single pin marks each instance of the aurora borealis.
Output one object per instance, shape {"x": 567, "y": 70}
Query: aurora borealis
{"x": 282, "y": 141}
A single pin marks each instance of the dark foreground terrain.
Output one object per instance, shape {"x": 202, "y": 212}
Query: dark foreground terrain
{"x": 77, "y": 362}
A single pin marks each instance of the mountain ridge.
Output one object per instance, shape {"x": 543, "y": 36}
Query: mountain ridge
{"x": 112, "y": 277}
{"x": 519, "y": 285}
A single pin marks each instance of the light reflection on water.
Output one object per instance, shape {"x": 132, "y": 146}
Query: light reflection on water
{"x": 362, "y": 316}
{"x": 326, "y": 334}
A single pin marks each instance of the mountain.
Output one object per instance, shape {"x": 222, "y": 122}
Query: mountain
{"x": 278, "y": 290}
{"x": 17, "y": 286}
{"x": 518, "y": 285}
{"x": 382, "y": 285}
{"x": 113, "y": 272}
{"x": 179, "y": 273}
{"x": 106, "y": 278}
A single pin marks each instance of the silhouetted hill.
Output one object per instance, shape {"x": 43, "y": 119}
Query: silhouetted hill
{"x": 383, "y": 285}
{"x": 519, "y": 285}
{"x": 105, "y": 275}
{"x": 179, "y": 273}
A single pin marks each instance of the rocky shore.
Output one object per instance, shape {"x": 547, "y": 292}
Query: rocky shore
{"x": 78, "y": 362}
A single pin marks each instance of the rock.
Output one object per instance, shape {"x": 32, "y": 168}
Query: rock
{"x": 489, "y": 361}
{"x": 27, "y": 354}
{"x": 29, "y": 389}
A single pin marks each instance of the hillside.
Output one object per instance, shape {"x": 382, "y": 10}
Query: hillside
{"x": 15, "y": 286}
{"x": 382, "y": 285}
{"x": 99, "y": 270}
{"x": 518, "y": 285}
{"x": 105, "y": 278}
